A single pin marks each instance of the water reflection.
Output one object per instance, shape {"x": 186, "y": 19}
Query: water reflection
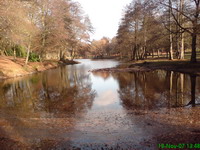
{"x": 154, "y": 90}
{"x": 42, "y": 108}
{"x": 70, "y": 106}
{"x": 106, "y": 88}
{"x": 59, "y": 91}
{"x": 158, "y": 89}
{"x": 193, "y": 79}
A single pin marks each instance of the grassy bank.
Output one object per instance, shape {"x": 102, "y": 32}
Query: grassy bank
{"x": 10, "y": 68}
{"x": 183, "y": 66}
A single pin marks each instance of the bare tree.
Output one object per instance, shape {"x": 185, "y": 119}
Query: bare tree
{"x": 190, "y": 17}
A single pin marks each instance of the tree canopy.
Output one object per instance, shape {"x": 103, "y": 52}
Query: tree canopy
{"x": 43, "y": 26}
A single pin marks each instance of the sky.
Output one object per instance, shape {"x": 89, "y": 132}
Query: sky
{"x": 105, "y": 15}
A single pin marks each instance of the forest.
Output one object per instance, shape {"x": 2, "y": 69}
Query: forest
{"x": 34, "y": 28}
{"x": 155, "y": 28}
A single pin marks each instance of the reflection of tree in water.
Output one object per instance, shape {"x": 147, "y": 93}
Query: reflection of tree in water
{"x": 58, "y": 91}
{"x": 194, "y": 101}
{"x": 68, "y": 91}
{"x": 59, "y": 94}
{"x": 152, "y": 90}
{"x": 15, "y": 94}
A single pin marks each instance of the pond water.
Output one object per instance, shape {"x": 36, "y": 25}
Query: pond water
{"x": 71, "y": 107}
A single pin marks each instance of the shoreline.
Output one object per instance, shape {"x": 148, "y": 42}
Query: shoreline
{"x": 10, "y": 68}
{"x": 151, "y": 65}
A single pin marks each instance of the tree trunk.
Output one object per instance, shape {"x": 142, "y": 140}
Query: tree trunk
{"x": 133, "y": 53}
{"x": 5, "y": 52}
{"x": 195, "y": 24}
{"x": 14, "y": 53}
{"x": 72, "y": 54}
{"x": 121, "y": 55}
{"x": 170, "y": 34}
{"x": 171, "y": 46}
{"x": 44, "y": 32}
{"x": 158, "y": 53}
{"x": 61, "y": 55}
{"x": 28, "y": 53}
{"x": 182, "y": 33}
{"x": 182, "y": 55}
{"x": 194, "y": 43}
{"x": 152, "y": 53}
{"x": 145, "y": 39}
{"x": 135, "y": 38}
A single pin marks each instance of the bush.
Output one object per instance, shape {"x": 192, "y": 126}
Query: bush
{"x": 10, "y": 52}
{"x": 20, "y": 51}
{"x": 33, "y": 57}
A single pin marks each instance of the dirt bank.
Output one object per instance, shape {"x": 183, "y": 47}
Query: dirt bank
{"x": 10, "y": 68}
{"x": 150, "y": 65}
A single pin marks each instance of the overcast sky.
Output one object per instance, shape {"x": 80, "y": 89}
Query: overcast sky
{"x": 104, "y": 15}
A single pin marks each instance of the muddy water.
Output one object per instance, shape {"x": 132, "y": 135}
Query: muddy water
{"x": 70, "y": 107}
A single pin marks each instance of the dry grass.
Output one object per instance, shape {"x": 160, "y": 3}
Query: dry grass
{"x": 14, "y": 68}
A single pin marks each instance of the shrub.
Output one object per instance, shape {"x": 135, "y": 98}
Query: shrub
{"x": 33, "y": 57}
{"x": 20, "y": 51}
{"x": 10, "y": 52}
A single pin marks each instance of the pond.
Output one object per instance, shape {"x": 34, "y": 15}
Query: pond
{"x": 71, "y": 107}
